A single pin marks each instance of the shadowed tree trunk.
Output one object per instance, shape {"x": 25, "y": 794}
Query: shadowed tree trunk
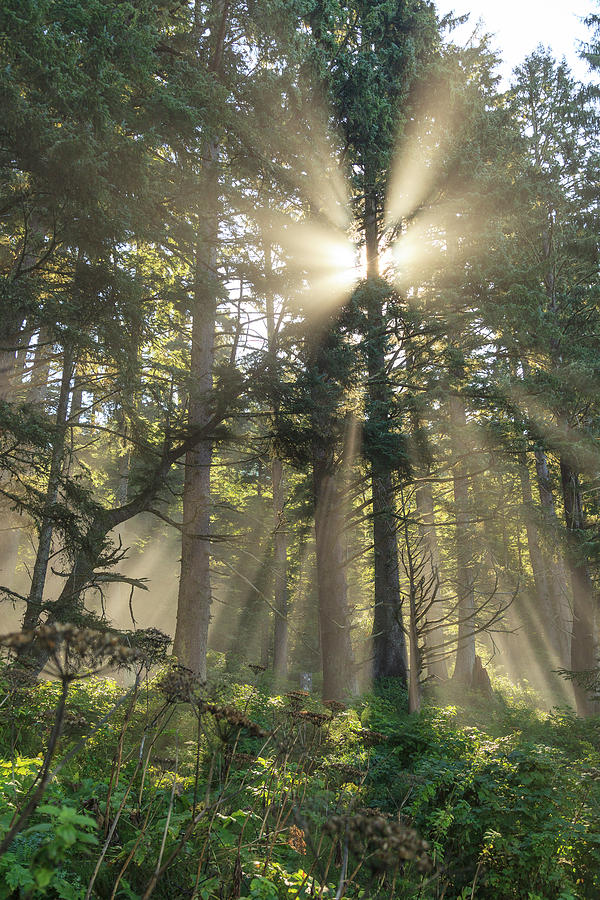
{"x": 334, "y": 620}
{"x": 11, "y": 521}
{"x": 584, "y": 641}
{"x": 124, "y": 461}
{"x": 10, "y": 540}
{"x": 339, "y": 677}
{"x": 389, "y": 641}
{"x": 194, "y": 599}
{"x": 280, "y": 596}
{"x": 13, "y": 333}
{"x": 550, "y": 560}
{"x": 412, "y": 562}
{"x": 280, "y": 588}
{"x": 465, "y": 576}
{"x": 40, "y": 568}
{"x": 35, "y": 391}
{"x": 40, "y": 369}
{"x": 11, "y": 342}
{"x": 549, "y": 620}
{"x": 557, "y": 580}
{"x": 434, "y": 635}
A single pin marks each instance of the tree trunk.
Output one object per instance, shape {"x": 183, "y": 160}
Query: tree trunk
{"x": 412, "y": 563}
{"x": 465, "y": 576}
{"x": 434, "y": 636}
{"x": 13, "y": 365}
{"x": 76, "y": 400}
{"x": 584, "y": 641}
{"x": 10, "y": 539}
{"x": 280, "y": 595}
{"x": 40, "y": 369}
{"x": 12, "y": 322}
{"x": 124, "y": 460}
{"x": 12, "y": 520}
{"x": 414, "y": 684}
{"x": 389, "y": 641}
{"x": 334, "y": 620}
{"x": 548, "y": 621}
{"x": 11, "y": 342}
{"x": 40, "y": 568}
{"x": 194, "y": 600}
{"x": 557, "y": 580}
{"x": 280, "y": 588}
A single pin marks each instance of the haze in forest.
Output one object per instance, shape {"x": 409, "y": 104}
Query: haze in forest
{"x": 299, "y": 450}
{"x": 298, "y": 347}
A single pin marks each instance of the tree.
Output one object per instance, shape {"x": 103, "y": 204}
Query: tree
{"x": 370, "y": 54}
{"x": 560, "y": 127}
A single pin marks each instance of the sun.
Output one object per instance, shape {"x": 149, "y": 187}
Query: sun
{"x": 345, "y": 262}
{"x": 386, "y": 260}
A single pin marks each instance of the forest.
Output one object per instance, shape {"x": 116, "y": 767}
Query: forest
{"x": 299, "y": 455}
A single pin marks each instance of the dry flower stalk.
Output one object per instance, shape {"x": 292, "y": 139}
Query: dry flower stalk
{"x": 385, "y": 843}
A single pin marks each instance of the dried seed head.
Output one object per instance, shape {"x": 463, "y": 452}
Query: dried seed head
{"x": 233, "y": 717}
{"x": 349, "y": 773}
{"x": 296, "y": 840}
{"x": 257, "y": 668}
{"x": 19, "y": 677}
{"x": 243, "y": 759}
{"x": 384, "y": 842}
{"x": 370, "y": 738}
{"x": 73, "y": 651}
{"x": 315, "y": 718}
{"x": 151, "y": 643}
{"x": 297, "y": 698}
{"x": 179, "y": 684}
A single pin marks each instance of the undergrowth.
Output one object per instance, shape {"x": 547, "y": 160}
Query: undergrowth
{"x": 173, "y": 789}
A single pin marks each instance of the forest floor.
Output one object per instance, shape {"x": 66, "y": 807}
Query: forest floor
{"x": 227, "y": 791}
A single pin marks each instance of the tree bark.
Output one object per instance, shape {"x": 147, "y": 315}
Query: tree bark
{"x": 40, "y": 568}
{"x": 548, "y": 622}
{"x": 280, "y": 588}
{"x": 389, "y": 641}
{"x": 557, "y": 581}
{"x": 414, "y": 684}
{"x": 465, "y": 576}
{"x": 584, "y": 641}
{"x": 10, "y": 539}
{"x": 11, "y": 342}
{"x": 194, "y": 599}
{"x": 334, "y": 620}
{"x": 12, "y": 321}
{"x": 434, "y": 636}
{"x": 40, "y": 369}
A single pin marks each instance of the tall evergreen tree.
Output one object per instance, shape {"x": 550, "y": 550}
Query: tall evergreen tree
{"x": 371, "y": 52}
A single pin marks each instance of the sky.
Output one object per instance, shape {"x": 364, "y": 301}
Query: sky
{"x": 520, "y": 25}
